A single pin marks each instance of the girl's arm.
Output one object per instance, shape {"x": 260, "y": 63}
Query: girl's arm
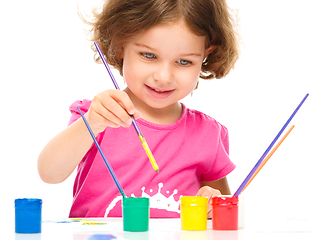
{"x": 213, "y": 188}
{"x": 63, "y": 153}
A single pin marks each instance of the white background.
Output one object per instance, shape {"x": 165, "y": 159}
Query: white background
{"x": 47, "y": 63}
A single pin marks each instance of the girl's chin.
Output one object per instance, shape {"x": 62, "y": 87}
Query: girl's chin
{"x": 160, "y": 104}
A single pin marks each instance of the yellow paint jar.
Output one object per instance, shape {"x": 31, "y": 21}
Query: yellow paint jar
{"x": 193, "y": 213}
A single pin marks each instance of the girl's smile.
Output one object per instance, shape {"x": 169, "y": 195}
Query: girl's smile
{"x": 159, "y": 93}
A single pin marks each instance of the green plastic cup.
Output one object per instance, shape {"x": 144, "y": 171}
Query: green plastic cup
{"x": 136, "y": 214}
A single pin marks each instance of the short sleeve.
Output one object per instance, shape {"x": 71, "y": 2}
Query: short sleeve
{"x": 83, "y": 105}
{"x": 222, "y": 164}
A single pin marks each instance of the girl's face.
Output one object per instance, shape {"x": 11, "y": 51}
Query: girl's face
{"x": 162, "y": 65}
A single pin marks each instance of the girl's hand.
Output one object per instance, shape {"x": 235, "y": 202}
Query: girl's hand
{"x": 208, "y": 192}
{"x": 111, "y": 108}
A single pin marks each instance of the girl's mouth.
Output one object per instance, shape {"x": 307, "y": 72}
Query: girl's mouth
{"x": 159, "y": 93}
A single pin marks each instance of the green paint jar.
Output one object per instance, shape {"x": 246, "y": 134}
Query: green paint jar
{"x": 136, "y": 214}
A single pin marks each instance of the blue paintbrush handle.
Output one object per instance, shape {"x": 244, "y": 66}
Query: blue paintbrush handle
{"x": 105, "y": 160}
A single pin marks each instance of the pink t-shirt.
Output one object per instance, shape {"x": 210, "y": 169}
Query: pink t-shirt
{"x": 193, "y": 149}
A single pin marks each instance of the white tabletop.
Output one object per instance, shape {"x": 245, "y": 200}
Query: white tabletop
{"x": 160, "y": 229}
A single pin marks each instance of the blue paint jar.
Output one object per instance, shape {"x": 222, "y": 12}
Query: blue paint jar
{"x": 28, "y": 215}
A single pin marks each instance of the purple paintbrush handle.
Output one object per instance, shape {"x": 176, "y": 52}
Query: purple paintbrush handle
{"x": 245, "y": 182}
{"x": 106, "y": 65}
{"x": 115, "y": 83}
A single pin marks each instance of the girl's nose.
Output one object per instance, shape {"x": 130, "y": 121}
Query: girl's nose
{"x": 164, "y": 73}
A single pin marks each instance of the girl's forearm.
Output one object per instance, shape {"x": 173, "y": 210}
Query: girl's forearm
{"x": 63, "y": 153}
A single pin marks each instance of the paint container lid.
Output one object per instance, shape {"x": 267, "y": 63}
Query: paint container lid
{"x": 136, "y": 202}
{"x": 28, "y": 202}
{"x": 193, "y": 200}
{"x": 225, "y": 200}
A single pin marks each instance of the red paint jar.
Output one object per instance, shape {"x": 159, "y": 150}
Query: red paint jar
{"x": 224, "y": 212}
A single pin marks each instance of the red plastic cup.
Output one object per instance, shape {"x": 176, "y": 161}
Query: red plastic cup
{"x": 224, "y": 212}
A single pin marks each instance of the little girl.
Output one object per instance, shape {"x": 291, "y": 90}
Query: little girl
{"x": 160, "y": 47}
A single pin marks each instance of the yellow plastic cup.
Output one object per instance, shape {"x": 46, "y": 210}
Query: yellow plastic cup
{"x": 193, "y": 213}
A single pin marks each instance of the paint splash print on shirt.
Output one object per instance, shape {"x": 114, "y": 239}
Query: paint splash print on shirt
{"x": 158, "y": 200}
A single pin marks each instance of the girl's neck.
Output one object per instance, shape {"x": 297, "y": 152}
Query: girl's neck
{"x": 164, "y": 116}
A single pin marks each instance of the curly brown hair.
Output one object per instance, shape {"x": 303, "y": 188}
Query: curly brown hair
{"x": 121, "y": 20}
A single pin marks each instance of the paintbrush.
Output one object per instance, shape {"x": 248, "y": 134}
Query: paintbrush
{"x": 244, "y": 183}
{"x": 142, "y": 139}
{"x": 105, "y": 160}
{"x": 269, "y": 156}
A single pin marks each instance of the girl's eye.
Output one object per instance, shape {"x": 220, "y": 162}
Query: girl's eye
{"x": 148, "y": 55}
{"x": 183, "y": 62}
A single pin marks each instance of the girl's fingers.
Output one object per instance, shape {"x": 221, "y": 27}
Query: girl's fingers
{"x": 97, "y": 122}
{"x": 110, "y": 119}
{"x": 123, "y": 99}
{"x": 111, "y": 108}
{"x": 208, "y": 192}
{"x": 127, "y": 107}
{"x": 114, "y": 112}
{"x": 215, "y": 192}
